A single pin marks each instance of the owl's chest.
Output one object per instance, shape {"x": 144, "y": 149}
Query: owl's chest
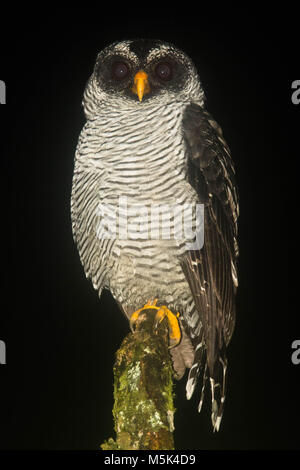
{"x": 136, "y": 165}
{"x": 139, "y": 160}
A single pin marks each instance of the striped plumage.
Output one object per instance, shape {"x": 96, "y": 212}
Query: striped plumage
{"x": 144, "y": 152}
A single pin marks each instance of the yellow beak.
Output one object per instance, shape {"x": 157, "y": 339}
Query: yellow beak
{"x": 141, "y": 85}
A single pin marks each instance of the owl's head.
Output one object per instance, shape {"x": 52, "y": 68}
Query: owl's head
{"x": 141, "y": 72}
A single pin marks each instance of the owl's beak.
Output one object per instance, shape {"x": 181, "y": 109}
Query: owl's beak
{"x": 141, "y": 85}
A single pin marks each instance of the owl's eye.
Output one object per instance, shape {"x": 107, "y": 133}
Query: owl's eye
{"x": 120, "y": 70}
{"x": 164, "y": 71}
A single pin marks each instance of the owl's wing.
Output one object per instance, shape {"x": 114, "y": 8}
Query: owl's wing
{"x": 211, "y": 271}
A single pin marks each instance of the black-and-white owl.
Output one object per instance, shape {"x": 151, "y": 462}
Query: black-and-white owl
{"x": 150, "y": 143}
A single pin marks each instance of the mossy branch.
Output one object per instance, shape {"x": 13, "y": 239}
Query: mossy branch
{"x": 143, "y": 389}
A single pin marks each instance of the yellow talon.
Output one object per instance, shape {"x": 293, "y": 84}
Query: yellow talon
{"x": 135, "y": 315}
{"x": 134, "y": 318}
{"x": 173, "y": 323}
{"x": 162, "y": 312}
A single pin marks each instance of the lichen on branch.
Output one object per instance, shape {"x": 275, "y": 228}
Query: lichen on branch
{"x": 143, "y": 389}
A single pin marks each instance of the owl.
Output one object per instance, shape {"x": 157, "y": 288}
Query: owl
{"x": 148, "y": 151}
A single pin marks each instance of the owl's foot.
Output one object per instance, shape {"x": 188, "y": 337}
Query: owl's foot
{"x": 173, "y": 324}
{"x": 162, "y": 312}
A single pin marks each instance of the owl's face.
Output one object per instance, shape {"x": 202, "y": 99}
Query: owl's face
{"x": 139, "y": 72}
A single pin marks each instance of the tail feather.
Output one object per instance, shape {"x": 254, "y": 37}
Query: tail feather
{"x": 218, "y": 392}
{"x": 199, "y": 373}
{"x": 203, "y": 388}
{"x": 198, "y": 365}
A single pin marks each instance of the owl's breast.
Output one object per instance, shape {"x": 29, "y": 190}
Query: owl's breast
{"x": 129, "y": 192}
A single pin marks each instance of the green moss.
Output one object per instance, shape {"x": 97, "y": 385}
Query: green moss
{"x": 143, "y": 390}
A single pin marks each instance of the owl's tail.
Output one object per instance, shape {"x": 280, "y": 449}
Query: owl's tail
{"x": 218, "y": 390}
{"x": 199, "y": 373}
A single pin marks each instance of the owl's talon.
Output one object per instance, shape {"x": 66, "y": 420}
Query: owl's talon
{"x": 160, "y": 315}
{"x": 133, "y": 320}
{"x": 162, "y": 312}
{"x": 173, "y": 325}
{"x": 134, "y": 317}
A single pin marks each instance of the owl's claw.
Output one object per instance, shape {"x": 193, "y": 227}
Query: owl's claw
{"x": 162, "y": 312}
{"x": 173, "y": 325}
{"x": 134, "y": 317}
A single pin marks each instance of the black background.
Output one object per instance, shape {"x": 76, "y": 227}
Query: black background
{"x": 56, "y": 388}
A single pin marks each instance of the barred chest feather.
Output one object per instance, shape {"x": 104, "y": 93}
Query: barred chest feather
{"x": 130, "y": 168}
